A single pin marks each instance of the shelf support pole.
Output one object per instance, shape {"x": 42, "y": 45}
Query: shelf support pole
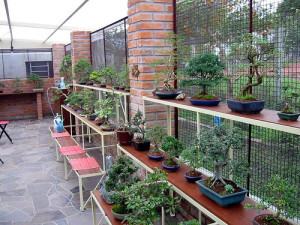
{"x": 103, "y": 152}
{"x": 82, "y": 134}
{"x": 169, "y": 121}
{"x": 198, "y": 124}
{"x": 118, "y": 111}
{"x": 230, "y": 149}
{"x": 126, "y": 109}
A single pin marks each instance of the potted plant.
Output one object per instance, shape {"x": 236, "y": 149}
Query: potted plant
{"x": 124, "y": 134}
{"x": 17, "y": 83}
{"x": 36, "y": 81}
{"x": 173, "y": 148}
{"x": 287, "y": 112}
{"x": 109, "y": 73}
{"x": 82, "y": 70}
{"x": 190, "y": 222}
{"x": 65, "y": 69}
{"x": 96, "y": 77}
{"x": 123, "y": 78}
{"x": 76, "y": 101}
{"x": 204, "y": 70}
{"x": 145, "y": 197}
{"x": 255, "y": 50}
{"x": 192, "y": 157}
{"x": 88, "y": 97}
{"x": 278, "y": 193}
{"x": 140, "y": 142}
{"x": 1, "y": 87}
{"x": 156, "y": 135}
{"x": 214, "y": 145}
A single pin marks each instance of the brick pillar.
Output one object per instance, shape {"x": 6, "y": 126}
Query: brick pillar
{"x": 80, "y": 46}
{"x": 58, "y": 52}
{"x": 39, "y": 105}
{"x": 149, "y": 22}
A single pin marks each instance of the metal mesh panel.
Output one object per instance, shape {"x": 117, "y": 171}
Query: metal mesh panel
{"x": 98, "y": 56}
{"x": 68, "y": 49}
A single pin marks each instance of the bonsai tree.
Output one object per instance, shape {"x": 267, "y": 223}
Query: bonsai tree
{"x": 289, "y": 99}
{"x": 173, "y": 148}
{"x": 109, "y": 73}
{"x": 138, "y": 122}
{"x": 35, "y": 80}
{"x": 17, "y": 83}
{"x": 190, "y": 222}
{"x": 204, "y": 70}
{"x": 82, "y": 70}
{"x": 88, "y": 98}
{"x": 65, "y": 69}
{"x": 105, "y": 107}
{"x": 278, "y": 193}
{"x": 75, "y": 99}
{"x": 145, "y": 197}
{"x": 1, "y": 87}
{"x": 123, "y": 77}
{"x": 96, "y": 76}
{"x": 156, "y": 135}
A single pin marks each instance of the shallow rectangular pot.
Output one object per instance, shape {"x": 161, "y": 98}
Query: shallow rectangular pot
{"x": 246, "y": 107}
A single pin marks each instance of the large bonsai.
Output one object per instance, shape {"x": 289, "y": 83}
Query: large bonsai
{"x": 35, "y": 80}
{"x": 82, "y": 70}
{"x": 105, "y": 107}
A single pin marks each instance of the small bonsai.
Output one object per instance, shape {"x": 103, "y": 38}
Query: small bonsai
{"x": 104, "y": 108}
{"x": 1, "y": 87}
{"x": 96, "y": 76}
{"x": 190, "y": 222}
{"x": 278, "y": 193}
{"x": 75, "y": 99}
{"x": 156, "y": 135}
{"x": 82, "y": 70}
{"x": 289, "y": 99}
{"x": 65, "y": 69}
{"x": 35, "y": 80}
{"x": 138, "y": 122}
{"x": 145, "y": 197}
{"x": 204, "y": 70}
{"x": 173, "y": 148}
{"x": 17, "y": 83}
{"x": 109, "y": 73}
{"x": 123, "y": 77}
{"x": 88, "y": 97}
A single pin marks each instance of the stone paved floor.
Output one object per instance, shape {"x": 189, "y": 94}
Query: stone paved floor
{"x": 32, "y": 185}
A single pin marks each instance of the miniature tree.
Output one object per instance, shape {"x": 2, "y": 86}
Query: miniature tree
{"x": 123, "y": 77}
{"x": 65, "y": 69}
{"x": 173, "y": 148}
{"x": 205, "y": 71}
{"x": 105, "y": 107}
{"x": 83, "y": 70}
{"x": 156, "y": 135}
{"x": 17, "y": 83}
{"x": 96, "y": 76}
{"x": 278, "y": 193}
{"x": 88, "y": 98}
{"x": 138, "y": 122}
{"x": 289, "y": 99}
{"x": 109, "y": 73}
{"x": 35, "y": 80}
{"x": 190, "y": 222}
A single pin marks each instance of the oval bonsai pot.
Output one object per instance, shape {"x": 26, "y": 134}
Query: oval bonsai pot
{"x": 124, "y": 137}
{"x": 192, "y": 179}
{"x": 170, "y": 168}
{"x": 106, "y": 127}
{"x": 259, "y": 218}
{"x": 205, "y": 102}
{"x": 103, "y": 85}
{"x": 90, "y": 83}
{"x": 222, "y": 200}
{"x": 127, "y": 89}
{"x": 116, "y": 87}
{"x": 167, "y": 95}
{"x": 82, "y": 82}
{"x": 141, "y": 146}
{"x": 118, "y": 216}
{"x": 91, "y": 117}
{"x": 246, "y": 107}
{"x": 156, "y": 158}
{"x": 288, "y": 116}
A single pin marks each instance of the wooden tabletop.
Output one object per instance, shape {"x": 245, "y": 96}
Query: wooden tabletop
{"x": 20, "y": 93}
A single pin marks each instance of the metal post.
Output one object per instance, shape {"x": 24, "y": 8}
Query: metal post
{"x": 126, "y": 109}
{"x": 231, "y": 151}
{"x": 169, "y": 120}
{"x": 198, "y": 124}
{"x": 71, "y": 124}
{"x": 82, "y": 134}
{"x": 118, "y": 111}
{"x": 66, "y": 168}
{"x": 249, "y": 156}
{"x": 103, "y": 151}
{"x": 94, "y": 210}
{"x": 80, "y": 193}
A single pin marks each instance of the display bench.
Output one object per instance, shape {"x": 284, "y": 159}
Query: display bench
{"x": 116, "y": 92}
{"x": 91, "y": 126}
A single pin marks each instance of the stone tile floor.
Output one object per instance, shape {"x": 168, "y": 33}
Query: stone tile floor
{"x": 32, "y": 185}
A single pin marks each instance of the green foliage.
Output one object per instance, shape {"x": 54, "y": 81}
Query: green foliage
{"x": 75, "y": 99}
{"x": 145, "y": 197}
{"x": 279, "y": 193}
{"x": 109, "y": 73}
{"x": 204, "y": 70}
{"x": 104, "y": 107}
{"x": 289, "y": 98}
{"x": 173, "y": 147}
{"x": 35, "y": 80}
{"x": 138, "y": 122}
{"x": 190, "y": 222}
{"x": 123, "y": 77}
{"x": 229, "y": 188}
{"x": 1, "y": 84}
{"x": 207, "y": 97}
{"x": 96, "y": 76}
{"x": 66, "y": 69}
{"x": 192, "y": 156}
{"x": 119, "y": 208}
{"x": 82, "y": 70}
{"x": 247, "y": 97}
{"x": 88, "y": 97}
{"x": 156, "y": 135}
{"x": 17, "y": 83}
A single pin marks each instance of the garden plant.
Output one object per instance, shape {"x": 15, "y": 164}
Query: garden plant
{"x": 96, "y": 76}
{"x": 140, "y": 142}
{"x": 156, "y": 135}
{"x": 65, "y": 69}
{"x": 17, "y": 83}
{"x": 109, "y": 73}
{"x": 290, "y": 98}
{"x": 1, "y": 87}
{"x": 36, "y": 81}
{"x": 82, "y": 70}
{"x": 124, "y": 133}
{"x": 173, "y": 147}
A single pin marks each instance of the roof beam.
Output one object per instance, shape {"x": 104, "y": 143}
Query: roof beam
{"x": 8, "y": 20}
{"x": 69, "y": 17}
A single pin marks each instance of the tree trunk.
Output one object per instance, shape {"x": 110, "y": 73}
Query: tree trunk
{"x": 218, "y": 173}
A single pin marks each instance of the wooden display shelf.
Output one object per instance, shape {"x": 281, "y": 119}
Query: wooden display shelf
{"x": 234, "y": 215}
{"x": 20, "y": 93}
{"x": 116, "y": 91}
{"x": 267, "y": 118}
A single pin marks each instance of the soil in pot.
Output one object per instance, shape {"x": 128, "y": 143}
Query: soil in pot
{"x": 193, "y": 176}
{"x": 205, "y": 100}
{"x": 124, "y": 137}
{"x": 220, "y": 188}
{"x": 170, "y": 166}
{"x": 259, "y": 220}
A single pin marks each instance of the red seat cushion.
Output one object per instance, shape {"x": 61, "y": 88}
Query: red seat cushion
{"x": 4, "y": 122}
{"x": 58, "y": 135}
{"x": 84, "y": 164}
{"x": 71, "y": 150}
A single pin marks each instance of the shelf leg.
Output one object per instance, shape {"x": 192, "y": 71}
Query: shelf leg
{"x": 200, "y": 216}
{"x": 198, "y": 124}
{"x": 56, "y": 149}
{"x": 80, "y": 193}
{"x": 94, "y": 211}
{"x": 118, "y": 111}
{"x": 126, "y": 109}
{"x": 162, "y": 216}
{"x": 103, "y": 151}
{"x": 82, "y": 134}
{"x": 90, "y": 137}
{"x": 66, "y": 168}
{"x": 169, "y": 121}
{"x": 71, "y": 125}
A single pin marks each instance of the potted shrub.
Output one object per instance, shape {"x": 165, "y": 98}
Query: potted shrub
{"x": 204, "y": 70}
{"x": 124, "y": 134}
{"x": 156, "y": 135}
{"x": 192, "y": 157}
{"x": 140, "y": 142}
{"x": 96, "y": 77}
{"x": 76, "y": 101}
{"x": 17, "y": 83}
{"x": 109, "y": 73}
{"x": 278, "y": 193}
{"x": 254, "y": 50}
{"x": 214, "y": 145}
{"x": 123, "y": 78}
{"x": 82, "y": 70}
{"x": 145, "y": 197}
{"x": 173, "y": 148}
{"x": 190, "y": 222}
{"x": 88, "y": 97}
{"x": 65, "y": 69}
{"x": 36, "y": 81}
{"x": 1, "y": 87}
{"x": 287, "y": 112}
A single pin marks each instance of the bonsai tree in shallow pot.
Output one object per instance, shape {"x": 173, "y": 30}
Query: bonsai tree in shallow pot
{"x": 65, "y": 69}
{"x": 82, "y": 70}
{"x": 287, "y": 112}
{"x": 109, "y": 73}
{"x": 1, "y": 87}
{"x": 123, "y": 78}
{"x": 214, "y": 145}
{"x": 254, "y": 50}
{"x": 140, "y": 142}
{"x": 88, "y": 97}
{"x": 17, "y": 83}
{"x": 173, "y": 148}
{"x": 96, "y": 77}
{"x": 279, "y": 193}
{"x": 204, "y": 71}
{"x": 156, "y": 135}
{"x": 36, "y": 81}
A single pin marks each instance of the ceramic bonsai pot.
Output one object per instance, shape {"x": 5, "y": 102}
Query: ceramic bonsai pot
{"x": 192, "y": 179}
{"x": 205, "y": 102}
{"x": 106, "y": 127}
{"x": 90, "y": 83}
{"x": 288, "y": 116}
{"x": 258, "y": 220}
{"x": 82, "y": 82}
{"x": 124, "y": 137}
{"x": 156, "y": 158}
{"x": 167, "y": 95}
{"x": 91, "y": 117}
{"x": 170, "y": 168}
{"x": 222, "y": 200}
{"x": 246, "y": 107}
{"x": 141, "y": 146}
{"x": 127, "y": 89}
{"x": 118, "y": 216}
{"x": 116, "y": 87}
{"x": 103, "y": 85}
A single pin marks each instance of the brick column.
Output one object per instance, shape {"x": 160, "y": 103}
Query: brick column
{"x": 58, "y": 52}
{"x": 80, "y": 46}
{"x": 39, "y": 105}
{"x": 149, "y": 22}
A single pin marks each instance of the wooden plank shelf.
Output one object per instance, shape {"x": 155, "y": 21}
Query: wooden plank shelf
{"x": 116, "y": 91}
{"x": 20, "y": 93}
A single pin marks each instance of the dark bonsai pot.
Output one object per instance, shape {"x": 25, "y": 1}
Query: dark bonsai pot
{"x": 124, "y": 137}
{"x": 90, "y": 83}
{"x": 103, "y": 85}
{"x": 246, "y": 107}
{"x": 259, "y": 220}
{"x": 127, "y": 89}
{"x": 288, "y": 116}
{"x": 141, "y": 146}
{"x": 222, "y": 200}
{"x": 192, "y": 179}
{"x": 82, "y": 82}
{"x": 156, "y": 158}
{"x": 170, "y": 168}
{"x": 107, "y": 127}
{"x": 205, "y": 102}
{"x": 91, "y": 117}
{"x": 118, "y": 216}
{"x": 167, "y": 95}
{"x": 116, "y": 87}
{"x": 122, "y": 88}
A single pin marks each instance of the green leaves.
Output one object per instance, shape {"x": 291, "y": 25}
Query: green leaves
{"x": 172, "y": 147}
{"x": 138, "y": 122}
{"x": 83, "y": 70}
{"x": 156, "y": 135}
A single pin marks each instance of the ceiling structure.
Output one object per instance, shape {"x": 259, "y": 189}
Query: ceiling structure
{"x": 40, "y": 23}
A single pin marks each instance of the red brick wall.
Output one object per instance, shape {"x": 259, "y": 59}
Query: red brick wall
{"x": 24, "y": 105}
{"x": 58, "y": 52}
